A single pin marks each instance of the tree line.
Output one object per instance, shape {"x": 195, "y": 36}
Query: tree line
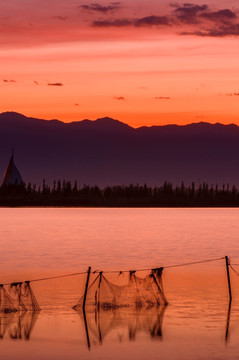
{"x": 64, "y": 193}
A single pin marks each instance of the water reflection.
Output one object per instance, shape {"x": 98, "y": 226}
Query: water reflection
{"x": 126, "y": 324}
{"x": 103, "y": 327}
{"x": 17, "y": 325}
{"x": 228, "y": 322}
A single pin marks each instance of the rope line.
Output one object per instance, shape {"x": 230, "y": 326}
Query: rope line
{"x": 124, "y": 271}
{"x": 50, "y": 278}
{"x": 165, "y": 267}
{"x": 195, "y": 262}
{"x": 235, "y": 271}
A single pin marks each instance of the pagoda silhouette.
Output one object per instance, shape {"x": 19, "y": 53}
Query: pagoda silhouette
{"x": 12, "y": 176}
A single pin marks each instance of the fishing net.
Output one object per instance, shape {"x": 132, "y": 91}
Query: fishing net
{"x": 6, "y": 303}
{"x": 18, "y": 297}
{"x": 23, "y": 297}
{"x": 146, "y": 292}
{"x": 139, "y": 292}
{"x": 102, "y": 294}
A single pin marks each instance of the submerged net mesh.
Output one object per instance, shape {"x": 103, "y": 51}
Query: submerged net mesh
{"x": 18, "y": 297}
{"x": 123, "y": 324}
{"x": 18, "y": 325}
{"x": 5, "y": 320}
{"x": 139, "y": 292}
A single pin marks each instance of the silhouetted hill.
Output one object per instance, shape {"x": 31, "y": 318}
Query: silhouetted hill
{"x": 108, "y": 152}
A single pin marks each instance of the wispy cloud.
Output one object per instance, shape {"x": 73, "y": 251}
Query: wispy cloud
{"x": 162, "y": 98}
{"x": 186, "y": 19}
{"x": 210, "y": 23}
{"x": 71, "y": 21}
{"x": 36, "y": 82}
{"x": 9, "y": 81}
{"x": 233, "y": 94}
{"x": 223, "y": 16}
{"x": 102, "y": 8}
{"x": 122, "y": 98}
{"x": 152, "y": 20}
{"x": 188, "y": 13}
{"x": 194, "y": 14}
{"x": 55, "y": 84}
{"x": 220, "y": 31}
{"x": 112, "y": 23}
{"x": 59, "y": 17}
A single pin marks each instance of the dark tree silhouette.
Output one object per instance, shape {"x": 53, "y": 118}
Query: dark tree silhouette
{"x": 64, "y": 194}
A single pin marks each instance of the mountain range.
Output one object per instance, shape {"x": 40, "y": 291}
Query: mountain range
{"x": 109, "y": 152}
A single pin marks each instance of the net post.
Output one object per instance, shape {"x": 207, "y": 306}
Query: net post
{"x": 86, "y": 287}
{"x": 228, "y": 279}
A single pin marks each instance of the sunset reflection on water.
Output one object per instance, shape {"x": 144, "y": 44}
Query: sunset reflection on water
{"x": 49, "y": 242}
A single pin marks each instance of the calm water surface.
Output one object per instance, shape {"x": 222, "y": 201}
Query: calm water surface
{"x": 48, "y": 242}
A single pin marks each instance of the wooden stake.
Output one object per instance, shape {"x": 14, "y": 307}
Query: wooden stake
{"x": 86, "y": 287}
{"x": 228, "y": 279}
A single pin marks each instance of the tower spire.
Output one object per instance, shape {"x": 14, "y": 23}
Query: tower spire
{"x": 12, "y": 175}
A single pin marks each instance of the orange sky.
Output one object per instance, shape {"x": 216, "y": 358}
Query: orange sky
{"x": 143, "y": 63}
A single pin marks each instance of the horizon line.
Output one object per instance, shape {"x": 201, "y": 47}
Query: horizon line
{"x": 119, "y": 121}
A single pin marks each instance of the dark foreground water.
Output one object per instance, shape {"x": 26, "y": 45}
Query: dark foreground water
{"x": 47, "y": 242}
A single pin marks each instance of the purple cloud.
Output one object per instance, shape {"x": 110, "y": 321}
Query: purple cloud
{"x": 152, "y": 20}
{"x": 187, "y": 13}
{"x": 223, "y": 21}
{"x": 201, "y": 19}
{"x": 220, "y": 16}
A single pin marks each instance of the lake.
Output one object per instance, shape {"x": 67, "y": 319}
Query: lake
{"x": 47, "y": 242}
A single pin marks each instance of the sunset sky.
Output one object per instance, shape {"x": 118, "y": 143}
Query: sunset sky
{"x": 143, "y": 62}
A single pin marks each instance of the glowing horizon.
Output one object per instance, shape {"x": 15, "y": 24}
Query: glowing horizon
{"x": 143, "y": 63}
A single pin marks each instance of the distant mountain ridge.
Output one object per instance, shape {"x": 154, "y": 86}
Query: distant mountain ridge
{"x": 11, "y": 116}
{"x": 109, "y": 152}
